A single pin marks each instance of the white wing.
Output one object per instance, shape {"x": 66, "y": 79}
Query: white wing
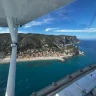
{"x": 28, "y": 10}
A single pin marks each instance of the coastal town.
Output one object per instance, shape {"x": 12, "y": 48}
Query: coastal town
{"x": 48, "y": 54}
{"x": 32, "y": 53}
{"x": 42, "y": 47}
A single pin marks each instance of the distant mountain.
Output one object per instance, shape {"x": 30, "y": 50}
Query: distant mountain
{"x": 35, "y": 41}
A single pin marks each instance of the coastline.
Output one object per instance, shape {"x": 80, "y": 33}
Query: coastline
{"x": 7, "y": 60}
{"x": 61, "y": 58}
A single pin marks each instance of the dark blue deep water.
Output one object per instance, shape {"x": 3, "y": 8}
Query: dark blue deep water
{"x": 35, "y": 75}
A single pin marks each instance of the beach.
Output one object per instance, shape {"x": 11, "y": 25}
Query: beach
{"x": 7, "y": 60}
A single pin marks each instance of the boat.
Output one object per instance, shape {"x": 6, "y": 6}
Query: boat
{"x": 16, "y": 13}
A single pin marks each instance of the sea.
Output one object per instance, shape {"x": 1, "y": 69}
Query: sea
{"x": 35, "y": 75}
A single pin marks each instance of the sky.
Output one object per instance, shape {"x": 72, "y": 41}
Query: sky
{"x": 75, "y": 19}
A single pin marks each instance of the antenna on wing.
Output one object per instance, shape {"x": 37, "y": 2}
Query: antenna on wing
{"x": 93, "y": 18}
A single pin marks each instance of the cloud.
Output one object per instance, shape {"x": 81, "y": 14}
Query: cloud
{"x": 84, "y": 30}
{"x": 4, "y": 30}
{"x": 40, "y": 22}
{"x": 64, "y": 13}
{"x": 70, "y": 30}
{"x": 50, "y": 29}
{"x": 1, "y": 28}
{"x": 7, "y": 31}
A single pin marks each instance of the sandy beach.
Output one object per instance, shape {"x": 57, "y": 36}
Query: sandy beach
{"x": 7, "y": 60}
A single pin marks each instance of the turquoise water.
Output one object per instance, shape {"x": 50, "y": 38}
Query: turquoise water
{"x": 35, "y": 75}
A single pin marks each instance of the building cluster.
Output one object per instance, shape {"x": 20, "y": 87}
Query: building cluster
{"x": 67, "y": 51}
{"x": 29, "y": 53}
{"x": 39, "y": 53}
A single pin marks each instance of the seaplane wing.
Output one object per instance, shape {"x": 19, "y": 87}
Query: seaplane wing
{"x": 27, "y": 10}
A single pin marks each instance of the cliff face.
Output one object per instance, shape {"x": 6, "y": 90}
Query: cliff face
{"x": 35, "y": 41}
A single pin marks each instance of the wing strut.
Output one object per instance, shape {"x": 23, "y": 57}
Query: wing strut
{"x": 12, "y": 70}
{"x": 13, "y": 27}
